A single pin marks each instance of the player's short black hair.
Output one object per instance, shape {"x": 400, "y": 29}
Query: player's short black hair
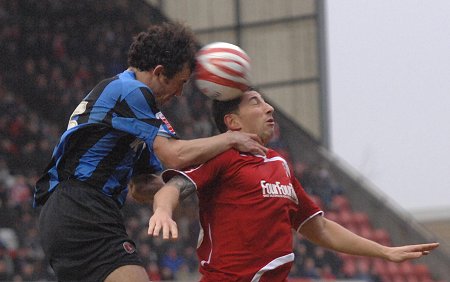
{"x": 221, "y": 108}
{"x": 168, "y": 44}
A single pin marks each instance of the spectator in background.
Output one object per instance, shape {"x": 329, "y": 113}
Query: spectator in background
{"x": 153, "y": 271}
{"x": 327, "y": 274}
{"x": 310, "y": 270}
{"x": 172, "y": 260}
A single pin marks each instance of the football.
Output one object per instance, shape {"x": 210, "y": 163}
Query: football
{"x": 222, "y": 71}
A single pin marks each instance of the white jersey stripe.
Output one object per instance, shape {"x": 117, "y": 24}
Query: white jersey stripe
{"x": 210, "y": 253}
{"x": 274, "y": 159}
{"x": 283, "y": 161}
{"x": 272, "y": 265}
{"x": 306, "y": 220}
{"x": 169, "y": 173}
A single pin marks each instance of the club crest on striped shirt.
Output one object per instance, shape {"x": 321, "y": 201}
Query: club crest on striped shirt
{"x": 128, "y": 247}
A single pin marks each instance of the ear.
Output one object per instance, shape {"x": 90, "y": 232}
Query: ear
{"x": 232, "y": 122}
{"x": 158, "y": 70}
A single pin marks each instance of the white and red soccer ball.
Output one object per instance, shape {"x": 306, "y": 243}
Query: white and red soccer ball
{"x": 222, "y": 71}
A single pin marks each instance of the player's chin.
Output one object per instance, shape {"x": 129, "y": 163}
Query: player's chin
{"x": 267, "y": 135}
{"x": 269, "y": 128}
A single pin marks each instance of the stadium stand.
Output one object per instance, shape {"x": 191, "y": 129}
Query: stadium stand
{"x": 53, "y": 52}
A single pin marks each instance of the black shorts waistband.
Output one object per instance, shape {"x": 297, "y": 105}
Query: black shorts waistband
{"x": 72, "y": 183}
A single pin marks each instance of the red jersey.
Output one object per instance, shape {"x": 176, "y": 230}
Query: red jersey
{"x": 248, "y": 206}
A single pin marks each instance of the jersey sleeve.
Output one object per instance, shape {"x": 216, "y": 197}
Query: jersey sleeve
{"x": 203, "y": 175}
{"x": 166, "y": 129}
{"x": 135, "y": 114}
{"x": 306, "y": 208}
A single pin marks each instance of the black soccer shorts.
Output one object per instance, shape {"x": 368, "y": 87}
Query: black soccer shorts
{"x": 83, "y": 235}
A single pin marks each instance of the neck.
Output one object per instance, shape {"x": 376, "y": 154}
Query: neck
{"x": 142, "y": 76}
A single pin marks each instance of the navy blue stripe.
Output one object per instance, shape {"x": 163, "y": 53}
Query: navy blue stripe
{"x": 106, "y": 167}
{"x": 41, "y": 193}
{"x": 124, "y": 109}
{"x": 78, "y": 144}
{"x": 92, "y": 97}
{"x": 150, "y": 99}
{"x": 141, "y": 166}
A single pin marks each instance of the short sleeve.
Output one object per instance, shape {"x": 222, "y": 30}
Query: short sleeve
{"x": 306, "y": 208}
{"x": 135, "y": 114}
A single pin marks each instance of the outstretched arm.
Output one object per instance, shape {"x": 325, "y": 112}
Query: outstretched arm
{"x": 329, "y": 234}
{"x": 165, "y": 202}
{"x": 183, "y": 153}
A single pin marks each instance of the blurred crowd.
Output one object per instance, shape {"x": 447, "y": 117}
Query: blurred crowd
{"x": 53, "y": 52}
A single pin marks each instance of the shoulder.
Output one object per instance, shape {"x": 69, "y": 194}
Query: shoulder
{"x": 224, "y": 160}
{"x": 272, "y": 153}
{"x": 230, "y": 154}
{"x": 129, "y": 83}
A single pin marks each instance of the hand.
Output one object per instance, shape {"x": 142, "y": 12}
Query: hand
{"x": 399, "y": 254}
{"x": 162, "y": 220}
{"x": 247, "y": 142}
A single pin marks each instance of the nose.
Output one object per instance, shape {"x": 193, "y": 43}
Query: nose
{"x": 269, "y": 107}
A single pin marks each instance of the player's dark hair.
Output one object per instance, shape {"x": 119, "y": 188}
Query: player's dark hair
{"x": 168, "y": 44}
{"x": 221, "y": 108}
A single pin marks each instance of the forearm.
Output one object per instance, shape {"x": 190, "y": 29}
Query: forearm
{"x": 331, "y": 235}
{"x": 166, "y": 199}
{"x": 340, "y": 239}
{"x": 183, "y": 153}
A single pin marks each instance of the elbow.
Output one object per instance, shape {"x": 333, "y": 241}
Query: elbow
{"x": 171, "y": 155}
{"x": 315, "y": 230}
{"x": 175, "y": 160}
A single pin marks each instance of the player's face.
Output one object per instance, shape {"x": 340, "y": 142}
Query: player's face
{"x": 256, "y": 116}
{"x": 166, "y": 88}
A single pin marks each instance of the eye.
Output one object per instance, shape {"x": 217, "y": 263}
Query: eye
{"x": 254, "y": 101}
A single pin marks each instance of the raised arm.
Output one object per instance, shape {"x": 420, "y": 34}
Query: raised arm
{"x": 183, "y": 153}
{"x": 329, "y": 234}
{"x": 165, "y": 202}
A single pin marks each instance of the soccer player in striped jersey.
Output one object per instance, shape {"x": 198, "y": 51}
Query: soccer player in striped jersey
{"x": 117, "y": 134}
{"x": 249, "y": 204}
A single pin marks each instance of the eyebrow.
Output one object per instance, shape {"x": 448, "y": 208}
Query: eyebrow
{"x": 257, "y": 97}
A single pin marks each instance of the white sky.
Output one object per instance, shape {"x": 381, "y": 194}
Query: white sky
{"x": 389, "y": 91}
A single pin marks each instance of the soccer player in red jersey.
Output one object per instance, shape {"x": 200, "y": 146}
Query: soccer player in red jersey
{"x": 249, "y": 204}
